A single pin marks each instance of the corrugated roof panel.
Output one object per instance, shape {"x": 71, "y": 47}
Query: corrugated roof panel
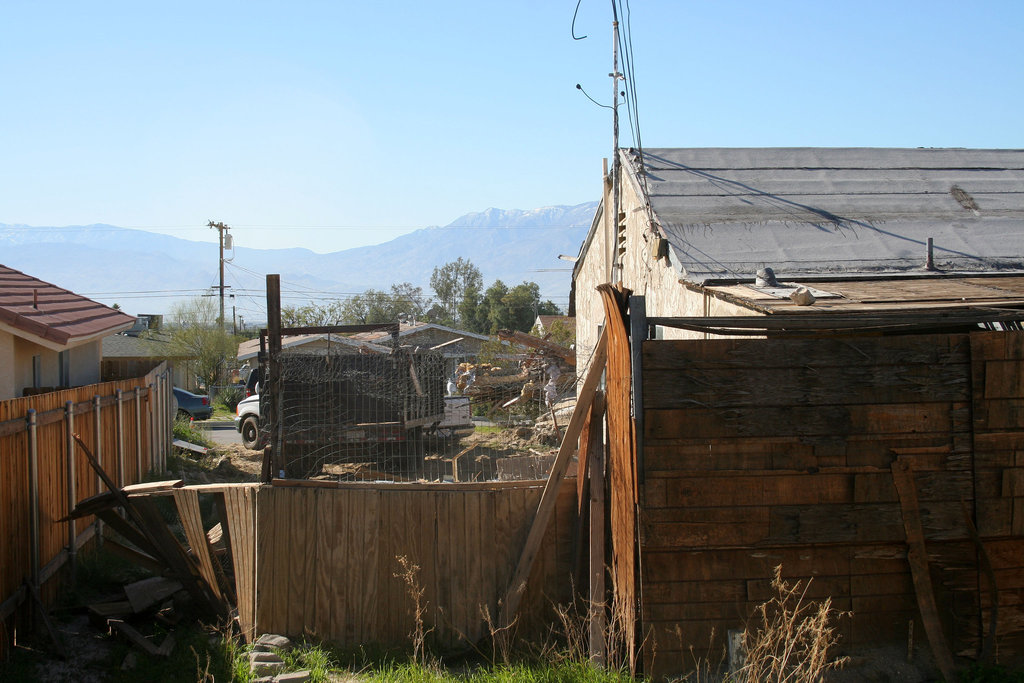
{"x": 728, "y": 212}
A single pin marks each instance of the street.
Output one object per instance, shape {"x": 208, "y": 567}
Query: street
{"x": 222, "y": 432}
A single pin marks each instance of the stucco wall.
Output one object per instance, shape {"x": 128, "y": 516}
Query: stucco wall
{"x": 85, "y": 363}
{"x": 16, "y": 356}
{"x": 7, "y": 366}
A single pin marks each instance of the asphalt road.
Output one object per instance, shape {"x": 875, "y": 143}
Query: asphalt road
{"x": 222, "y": 432}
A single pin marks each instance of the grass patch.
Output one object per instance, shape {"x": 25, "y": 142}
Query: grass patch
{"x": 488, "y": 429}
{"x": 201, "y": 654}
{"x": 186, "y": 430}
{"x": 222, "y": 412}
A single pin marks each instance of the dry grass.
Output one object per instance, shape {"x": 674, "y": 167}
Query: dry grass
{"x": 789, "y": 638}
{"x": 410, "y": 574}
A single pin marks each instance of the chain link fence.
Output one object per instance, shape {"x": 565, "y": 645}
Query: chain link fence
{"x": 416, "y": 415}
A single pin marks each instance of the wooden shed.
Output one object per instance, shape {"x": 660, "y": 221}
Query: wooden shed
{"x": 864, "y": 437}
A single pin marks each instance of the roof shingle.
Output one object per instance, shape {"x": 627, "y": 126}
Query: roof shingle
{"x": 51, "y": 313}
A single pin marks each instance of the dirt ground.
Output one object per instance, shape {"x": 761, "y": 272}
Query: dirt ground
{"x": 477, "y": 456}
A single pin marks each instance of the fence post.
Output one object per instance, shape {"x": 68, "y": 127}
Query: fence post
{"x": 150, "y": 411}
{"x": 162, "y": 416}
{"x": 98, "y": 452}
{"x": 69, "y": 450}
{"x": 33, "y": 496}
{"x": 120, "y": 440}
{"x": 138, "y": 434}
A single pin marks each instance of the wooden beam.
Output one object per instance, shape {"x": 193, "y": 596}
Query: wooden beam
{"x": 142, "y": 559}
{"x": 546, "y": 507}
{"x": 597, "y": 602}
{"x": 917, "y": 556}
{"x": 272, "y": 380}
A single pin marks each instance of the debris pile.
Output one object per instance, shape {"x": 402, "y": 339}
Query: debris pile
{"x": 193, "y": 577}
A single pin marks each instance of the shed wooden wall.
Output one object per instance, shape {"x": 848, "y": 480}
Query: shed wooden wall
{"x": 326, "y": 559}
{"x": 765, "y": 452}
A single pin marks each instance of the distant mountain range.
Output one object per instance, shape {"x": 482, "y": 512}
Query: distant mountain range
{"x": 146, "y": 272}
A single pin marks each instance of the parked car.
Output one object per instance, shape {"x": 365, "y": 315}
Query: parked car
{"x": 247, "y": 421}
{"x": 192, "y": 405}
{"x": 252, "y": 382}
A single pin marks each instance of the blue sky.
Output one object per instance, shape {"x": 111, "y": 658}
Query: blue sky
{"x": 330, "y": 125}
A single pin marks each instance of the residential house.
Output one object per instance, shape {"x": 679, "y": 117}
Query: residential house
{"x": 125, "y": 356}
{"x": 50, "y": 337}
{"x": 457, "y": 345}
{"x": 249, "y": 349}
{"x": 819, "y": 370}
{"x": 546, "y": 324}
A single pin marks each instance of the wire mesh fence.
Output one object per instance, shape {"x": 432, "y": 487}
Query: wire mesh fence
{"x": 416, "y": 415}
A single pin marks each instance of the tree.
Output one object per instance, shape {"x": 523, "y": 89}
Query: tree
{"x": 372, "y": 306}
{"x": 522, "y": 303}
{"x": 311, "y": 315}
{"x": 450, "y": 283}
{"x": 469, "y": 310}
{"x": 196, "y": 335}
{"x": 492, "y": 312}
{"x": 378, "y": 306}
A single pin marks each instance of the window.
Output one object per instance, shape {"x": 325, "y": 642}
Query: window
{"x": 64, "y": 368}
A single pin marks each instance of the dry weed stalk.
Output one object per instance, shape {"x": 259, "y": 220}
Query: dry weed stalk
{"x": 789, "y": 639}
{"x": 502, "y": 637}
{"x": 704, "y": 671}
{"x": 410, "y": 574}
{"x": 203, "y": 674}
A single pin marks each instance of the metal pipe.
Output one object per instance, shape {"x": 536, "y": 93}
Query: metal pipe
{"x": 151, "y": 404}
{"x": 120, "y": 440}
{"x": 929, "y": 263}
{"x": 69, "y": 441}
{"x": 33, "y": 495}
{"x": 98, "y": 452}
{"x": 138, "y": 434}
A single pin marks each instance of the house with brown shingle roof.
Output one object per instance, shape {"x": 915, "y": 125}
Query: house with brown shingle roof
{"x": 50, "y": 337}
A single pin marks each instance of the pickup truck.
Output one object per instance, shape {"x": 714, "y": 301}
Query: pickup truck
{"x": 457, "y": 419}
{"x": 247, "y": 422}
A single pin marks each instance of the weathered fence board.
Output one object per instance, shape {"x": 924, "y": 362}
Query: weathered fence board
{"x": 327, "y": 560}
{"x": 765, "y": 452}
{"x": 92, "y": 412}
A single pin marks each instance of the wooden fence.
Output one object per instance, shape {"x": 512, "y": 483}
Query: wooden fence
{"x": 327, "y": 559}
{"x": 127, "y": 424}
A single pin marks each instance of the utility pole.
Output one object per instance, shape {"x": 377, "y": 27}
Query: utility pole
{"x": 222, "y": 232}
{"x": 616, "y": 166}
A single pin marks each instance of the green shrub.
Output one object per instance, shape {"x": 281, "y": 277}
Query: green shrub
{"x": 186, "y": 430}
{"x": 229, "y": 397}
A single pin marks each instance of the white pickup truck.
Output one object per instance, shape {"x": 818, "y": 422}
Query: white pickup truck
{"x": 247, "y": 421}
{"x": 457, "y": 418}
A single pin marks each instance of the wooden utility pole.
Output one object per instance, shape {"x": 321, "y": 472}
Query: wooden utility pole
{"x": 222, "y": 231}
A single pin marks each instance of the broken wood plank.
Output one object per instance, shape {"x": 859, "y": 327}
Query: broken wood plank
{"x": 145, "y": 593}
{"x": 546, "y": 507}
{"x": 144, "y": 560}
{"x": 917, "y": 556}
{"x": 105, "y": 611}
{"x": 153, "y": 486}
{"x": 195, "y": 448}
{"x": 136, "y": 638}
{"x": 182, "y": 566}
{"x": 131, "y": 534}
{"x": 187, "y": 501}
